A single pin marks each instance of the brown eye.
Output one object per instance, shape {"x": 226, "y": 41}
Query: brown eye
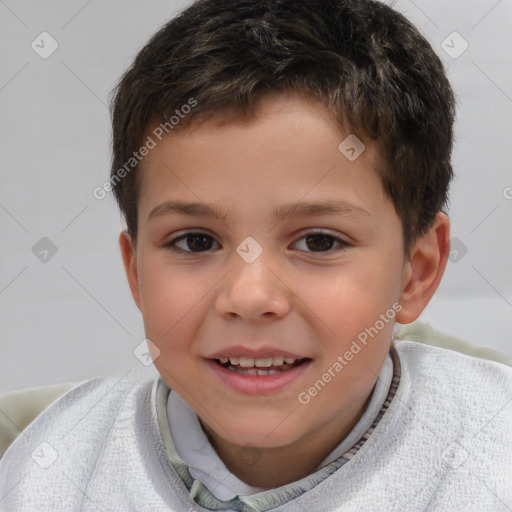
{"x": 194, "y": 242}
{"x": 319, "y": 242}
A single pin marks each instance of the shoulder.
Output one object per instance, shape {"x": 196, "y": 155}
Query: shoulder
{"x": 94, "y": 402}
{"x": 455, "y": 391}
{"x": 428, "y": 361}
{"x": 446, "y": 434}
{"x": 73, "y": 429}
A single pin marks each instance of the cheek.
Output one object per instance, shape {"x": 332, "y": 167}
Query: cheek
{"x": 348, "y": 295}
{"x": 169, "y": 298}
{"x": 346, "y": 305}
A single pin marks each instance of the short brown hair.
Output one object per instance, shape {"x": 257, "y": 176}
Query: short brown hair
{"x": 366, "y": 62}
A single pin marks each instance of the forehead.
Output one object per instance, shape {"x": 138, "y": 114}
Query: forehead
{"x": 291, "y": 147}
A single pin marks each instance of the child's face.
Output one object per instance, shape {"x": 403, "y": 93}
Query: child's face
{"x": 305, "y": 296}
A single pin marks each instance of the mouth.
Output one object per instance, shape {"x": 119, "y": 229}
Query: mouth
{"x": 262, "y": 371}
{"x": 260, "y": 367}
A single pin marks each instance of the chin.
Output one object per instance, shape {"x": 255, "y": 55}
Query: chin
{"x": 254, "y": 432}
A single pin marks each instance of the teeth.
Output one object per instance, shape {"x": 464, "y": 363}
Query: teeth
{"x": 268, "y": 372}
{"x": 263, "y": 362}
{"x": 254, "y": 371}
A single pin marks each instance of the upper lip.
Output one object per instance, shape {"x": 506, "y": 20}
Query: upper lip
{"x": 260, "y": 353}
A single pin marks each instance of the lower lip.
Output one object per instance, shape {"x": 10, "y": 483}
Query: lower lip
{"x": 257, "y": 384}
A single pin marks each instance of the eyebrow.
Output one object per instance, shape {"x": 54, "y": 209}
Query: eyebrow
{"x": 338, "y": 207}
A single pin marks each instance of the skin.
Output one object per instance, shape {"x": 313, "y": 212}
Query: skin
{"x": 303, "y": 297}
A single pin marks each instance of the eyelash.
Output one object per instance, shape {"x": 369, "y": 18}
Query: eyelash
{"x": 172, "y": 243}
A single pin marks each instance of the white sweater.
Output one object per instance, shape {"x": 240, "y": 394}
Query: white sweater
{"x": 444, "y": 445}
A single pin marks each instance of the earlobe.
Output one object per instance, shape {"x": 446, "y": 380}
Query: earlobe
{"x": 130, "y": 265}
{"x": 425, "y": 269}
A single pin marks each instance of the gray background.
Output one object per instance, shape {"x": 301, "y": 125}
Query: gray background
{"x": 72, "y": 317}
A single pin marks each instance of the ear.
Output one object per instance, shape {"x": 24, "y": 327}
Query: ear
{"x": 423, "y": 272}
{"x": 130, "y": 265}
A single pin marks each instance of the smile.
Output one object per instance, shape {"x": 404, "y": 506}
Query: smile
{"x": 258, "y": 376}
{"x": 262, "y": 366}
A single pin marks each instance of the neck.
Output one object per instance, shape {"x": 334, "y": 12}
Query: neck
{"x": 272, "y": 467}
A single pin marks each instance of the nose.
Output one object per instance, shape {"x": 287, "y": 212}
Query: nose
{"x": 254, "y": 292}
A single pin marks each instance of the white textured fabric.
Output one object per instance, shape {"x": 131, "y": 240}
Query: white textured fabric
{"x": 205, "y": 465}
{"x": 443, "y": 445}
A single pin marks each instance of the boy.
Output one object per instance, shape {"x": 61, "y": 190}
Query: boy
{"x": 260, "y": 129}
